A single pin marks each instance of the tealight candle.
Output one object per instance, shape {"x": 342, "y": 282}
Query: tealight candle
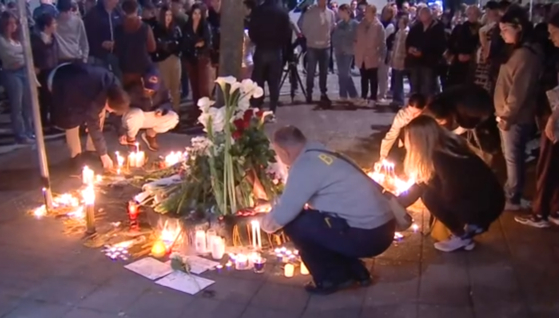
{"x": 159, "y": 249}
{"x": 219, "y": 268}
{"x": 228, "y": 265}
{"x": 241, "y": 263}
{"x": 259, "y": 264}
{"x": 288, "y": 270}
{"x": 304, "y": 270}
{"x": 415, "y": 227}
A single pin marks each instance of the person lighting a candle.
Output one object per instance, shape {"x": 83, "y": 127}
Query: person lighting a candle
{"x": 416, "y": 104}
{"x": 81, "y": 94}
{"x": 150, "y": 109}
{"x": 456, "y": 186}
{"x": 347, "y": 218}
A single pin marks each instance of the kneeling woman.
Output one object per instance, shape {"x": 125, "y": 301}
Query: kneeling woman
{"x": 455, "y": 185}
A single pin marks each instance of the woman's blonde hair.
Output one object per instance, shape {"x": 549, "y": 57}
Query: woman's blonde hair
{"x": 422, "y": 137}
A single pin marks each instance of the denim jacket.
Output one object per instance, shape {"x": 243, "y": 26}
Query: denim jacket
{"x": 343, "y": 37}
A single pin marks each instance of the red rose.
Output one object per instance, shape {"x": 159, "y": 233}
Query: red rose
{"x": 247, "y": 116}
{"x": 239, "y": 124}
{"x": 259, "y": 114}
{"x": 237, "y": 134}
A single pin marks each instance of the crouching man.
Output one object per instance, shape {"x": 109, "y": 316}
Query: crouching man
{"x": 150, "y": 109}
{"x": 81, "y": 94}
{"x": 347, "y": 217}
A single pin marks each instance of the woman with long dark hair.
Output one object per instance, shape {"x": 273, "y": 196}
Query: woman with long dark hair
{"x": 545, "y": 208}
{"x": 455, "y": 185}
{"x": 168, "y": 36}
{"x": 15, "y": 80}
{"x": 196, "y": 46}
{"x": 515, "y": 105}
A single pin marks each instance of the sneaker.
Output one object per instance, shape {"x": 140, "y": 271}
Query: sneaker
{"x": 533, "y": 221}
{"x": 455, "y": 243}
{"x": 383, "y": 101}
{"x": 371, "y": 103}
{"x": 554, "y": 219}
{"x": 151, "y": 142}
{"x": 359, "y": 102}
{"x": 309, "y": 99}
{"x": 523, "y": 205}
{"x": 327, "y": 287}
{"x": 270, "y": 119}
{"x": 126, "y": 141}
{"x": 324, "y": 99}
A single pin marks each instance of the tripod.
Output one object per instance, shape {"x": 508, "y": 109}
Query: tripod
{"x": 294, "y": 78}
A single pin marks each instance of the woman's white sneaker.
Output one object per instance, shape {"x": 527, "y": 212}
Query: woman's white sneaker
{"x": 455, "y": 243}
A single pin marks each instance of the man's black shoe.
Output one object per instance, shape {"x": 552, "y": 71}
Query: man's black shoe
{"x": 361, "y": 275}
{"x": 327, "y": 287}
{"x": 309, "y": 99}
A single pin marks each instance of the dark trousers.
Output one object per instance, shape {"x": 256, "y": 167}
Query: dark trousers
{"x": 456, "y": 216}
{"x": 423, "y": 80}
{"x": 185, "y": 83}
{"x": 546, "y": 198}
{"x": 268, "y": 65}
{"x": 331, "y": 249}
{"x": 369, "y": 78}
{"x": 198, "y": 71}
{"x": 45, "y": 98}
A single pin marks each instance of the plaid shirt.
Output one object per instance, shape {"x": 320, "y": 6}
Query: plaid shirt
{"x": 398, "y": 54}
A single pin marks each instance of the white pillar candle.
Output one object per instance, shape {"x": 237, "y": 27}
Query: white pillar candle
{"x": 304, "y": 270}
{"x": 132, "y": 160}
{"x": 140, "y": 159}
{"x": 256, "y": 235}
{"x": 217, "y": 247}
{"x": 209, "y": 238}
{"x": 288, "y": 270}
{"x": 200, "y": 242}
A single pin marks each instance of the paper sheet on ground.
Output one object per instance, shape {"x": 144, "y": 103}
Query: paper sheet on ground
{"x": 186, "y": 283}
{"x": 150, "y": 268}
{"x": 198, "y": 264}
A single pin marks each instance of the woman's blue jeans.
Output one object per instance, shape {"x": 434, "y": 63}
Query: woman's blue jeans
{"x": 345, "y": 82}
{"x": 16, "y": 84}
{"x": 513, "y": 143}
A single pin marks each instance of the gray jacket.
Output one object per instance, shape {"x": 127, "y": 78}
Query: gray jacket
{"x": 343, "y": 37}
{"x": 328, "y": 184}
{"x": 516, "y": 87}
{"x": 317, "y": 26}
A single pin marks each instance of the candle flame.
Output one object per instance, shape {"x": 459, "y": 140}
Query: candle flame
{"x": 88, "y": 195}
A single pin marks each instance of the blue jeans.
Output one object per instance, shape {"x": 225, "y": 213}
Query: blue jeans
{"x": 513, "y": 144}
{"x": 345, "y": 82}
{"x": 423, "y": 80}
{"x": 398, "y": 86}
{"x": 19, "y": 96}
{"x": 320, "y": 57}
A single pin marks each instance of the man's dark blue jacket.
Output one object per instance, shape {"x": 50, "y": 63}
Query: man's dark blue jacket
{"x": 79, "y": 95}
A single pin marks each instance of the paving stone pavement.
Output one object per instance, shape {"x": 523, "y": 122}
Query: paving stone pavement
{"x": 46, "y": 274}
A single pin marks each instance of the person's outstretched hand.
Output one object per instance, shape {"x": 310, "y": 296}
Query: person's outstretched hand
{"x": 107, "y": 162}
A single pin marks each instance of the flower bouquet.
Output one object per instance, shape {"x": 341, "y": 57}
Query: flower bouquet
{"x": 233, "y": 166}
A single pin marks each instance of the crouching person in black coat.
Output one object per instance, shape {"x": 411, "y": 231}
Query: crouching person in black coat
{"x": 82, "y": 93}
{"x": 151, "y": 109}
{"x": 455, "y": 185}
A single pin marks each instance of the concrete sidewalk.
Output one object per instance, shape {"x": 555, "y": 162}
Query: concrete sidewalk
{"x": 46, "y": 274}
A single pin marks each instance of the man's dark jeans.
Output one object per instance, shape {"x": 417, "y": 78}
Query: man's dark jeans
{"x": 331, "y": 249}
{"x": 423, "y": 80}
{"x": 513, "y": 144}
{"x": 320, "y": 57}
{"x": 268, "y": 65}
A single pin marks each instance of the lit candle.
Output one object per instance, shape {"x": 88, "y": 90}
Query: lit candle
{"x": 258, "y": 262}
{"x": 288, "y": 270}
{"x": 241, "y": 263}
{"x": 132, "y": 210}
{"x": 256, "y": 235}
{"x": 132, "y": 160}
{"x": 304, "y": 270}
{"x": 88, "y": 176}
{"x": 140, "y": 159}
{"x": 217, "y": 247}
{"x": 119, "y": 161}
{"x": 415, "y": 227}
{"x": 159, "y": 249}
{"x": 88, "y": 195}
{"x": 228, "y": 265}
{"x": 137, "y": 147}
{"x": 200, "y": 242}
{"x": 219, "y": 268}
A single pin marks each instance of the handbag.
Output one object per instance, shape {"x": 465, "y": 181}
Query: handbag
{"x": 401, "y": 216}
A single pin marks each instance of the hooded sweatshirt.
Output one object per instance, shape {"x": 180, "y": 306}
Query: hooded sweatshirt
{"x": 71, "y": 37}
{"x": 517, "y": 85}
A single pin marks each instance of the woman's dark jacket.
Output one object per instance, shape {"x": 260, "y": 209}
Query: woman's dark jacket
{"x": 190, "y": 37}
{"x": 431, "y": 43}
{"x": 168, "y": 40}
{"x": 45, "y": 56}
{"x": 463, "y": 185}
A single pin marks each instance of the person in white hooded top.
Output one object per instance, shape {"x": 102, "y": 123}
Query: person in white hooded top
{"x": 71, "y": 36}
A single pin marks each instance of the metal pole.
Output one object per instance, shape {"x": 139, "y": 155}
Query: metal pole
{"x": 41, "y": 149}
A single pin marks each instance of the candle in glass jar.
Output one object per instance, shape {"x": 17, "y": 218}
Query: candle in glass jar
{"x": 132, "y": 160}
{"x": 200, "y": 242}
{"x": 228, "y": 265}
{"x": 217, "y": 247}
{"x": 288, "y": 270}
{"x": 140, "y": 159}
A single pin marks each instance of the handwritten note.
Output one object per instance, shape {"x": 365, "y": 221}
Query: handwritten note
{"x": 186, "y": 283}
{"x": 150, "y": 268}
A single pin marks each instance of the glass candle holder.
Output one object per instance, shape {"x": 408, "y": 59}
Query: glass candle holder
{"x": 259, "y": 265}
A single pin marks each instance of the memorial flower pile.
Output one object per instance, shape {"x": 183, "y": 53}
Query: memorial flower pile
{"x": 233, "y": 166}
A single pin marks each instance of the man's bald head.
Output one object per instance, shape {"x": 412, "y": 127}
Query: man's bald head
{"x": 288, "y": 143}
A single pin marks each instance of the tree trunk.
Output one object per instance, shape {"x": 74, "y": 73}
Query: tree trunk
{"x": 232, "y": 33}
